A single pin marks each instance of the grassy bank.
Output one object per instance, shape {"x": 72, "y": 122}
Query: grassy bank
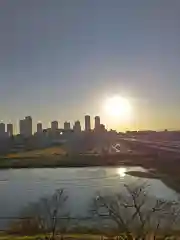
{"x": 168, "y": 178}
{"x": 70, "y": 236}
{"x": 8, "y": 237}
{"x": 164, "y": 168}
{"x": 45, "y": 162}
{"x": 62, "y": 160}
{"x": 144, "y": 174}
{"x": 47, "y": 152}
{"x": 83, "y": 237}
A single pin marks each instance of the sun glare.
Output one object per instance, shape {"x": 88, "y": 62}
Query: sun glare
{"x": 118, "y": 107}
{"x": 122, "y": 172}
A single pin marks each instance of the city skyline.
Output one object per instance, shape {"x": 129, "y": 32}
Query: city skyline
{"x": 26, "y": 126}
{"x": 60, "y": 58}
{"x": 69, "y": 124}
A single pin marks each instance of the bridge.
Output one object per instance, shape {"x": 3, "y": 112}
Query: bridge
{"x": 166, "y": 146}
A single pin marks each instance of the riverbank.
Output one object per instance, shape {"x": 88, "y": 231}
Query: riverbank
{"x": 77, "y": 236}
{"x": 164, "y": 168}
{"x": 66, "y": 236}
{"x": 170, "y": 180}
{"x": 148, "y": 174}
{"x": 80, "y": 160}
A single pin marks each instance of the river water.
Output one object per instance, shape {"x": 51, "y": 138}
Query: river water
{"x": 20, "y": 187}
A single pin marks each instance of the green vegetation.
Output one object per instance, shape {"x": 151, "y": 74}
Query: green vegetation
{"x": 8, "y": 237}
{"x": 46, "y": 162}
{"x": 58, "y": 157}
{"x": 47, "y": 152}
{"x": 74, "y": 236}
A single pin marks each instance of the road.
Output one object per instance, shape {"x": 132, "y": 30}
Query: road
{"x": 163, "y": 146}
{"x": 112, "y": 147}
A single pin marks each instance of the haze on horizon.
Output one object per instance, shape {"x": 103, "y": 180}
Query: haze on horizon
{"x": 61, "y": 59}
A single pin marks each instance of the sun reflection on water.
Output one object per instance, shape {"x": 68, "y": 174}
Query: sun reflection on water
{"x": 122, "y": 171}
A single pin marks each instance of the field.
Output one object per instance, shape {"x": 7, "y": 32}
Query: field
{"x": 38, "y": 153}
{"x": 54, "y": 157}
{"x": 65, "y": 237}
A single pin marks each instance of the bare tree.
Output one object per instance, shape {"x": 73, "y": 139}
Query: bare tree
{"x": 136, "y": 214}
{"x": 46, "y": 216}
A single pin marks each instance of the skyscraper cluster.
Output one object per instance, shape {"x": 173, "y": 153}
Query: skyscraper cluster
{"x": 6, "y": 131}
{"x": 26, "y": 127}
{"x": 76, "y": 127}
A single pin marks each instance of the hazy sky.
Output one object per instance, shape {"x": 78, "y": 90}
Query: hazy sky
{"x": 60, "y": 59}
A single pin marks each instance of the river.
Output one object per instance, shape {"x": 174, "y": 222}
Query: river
{"x": 23, "y": 186}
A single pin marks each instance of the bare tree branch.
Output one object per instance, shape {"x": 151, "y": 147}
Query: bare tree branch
{"x": 136, "y": 213}
{"x": 45, "y": 215}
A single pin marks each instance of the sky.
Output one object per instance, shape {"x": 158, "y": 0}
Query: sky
{"x": 60, "y": 60}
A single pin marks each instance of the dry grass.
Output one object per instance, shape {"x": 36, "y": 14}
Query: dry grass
{"x": 68, "y": 237}
{"x": 38, "y": 153}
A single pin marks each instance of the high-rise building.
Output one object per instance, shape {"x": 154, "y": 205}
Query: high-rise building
{"x": 22, "y": 127}
{"x": 77, "y": 127}
{"x": 97, "y": 124}
{"x": 87, "y": 123}
{"x": 28, "y": 126}
{"x": 9, "y": 129}
{"x": 2, "y": 129}
{"x": 25, "y": 126}
{"x": 54, "y": 126}
{"x": 102, "y": 128}
{"x": 67, "y": 126}
{"x": 39, "y": 128}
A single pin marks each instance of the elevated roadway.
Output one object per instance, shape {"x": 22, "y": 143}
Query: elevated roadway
{"x": 170, "y": 146}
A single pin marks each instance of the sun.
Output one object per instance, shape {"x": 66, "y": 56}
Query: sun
{"x": 118, "y": 106}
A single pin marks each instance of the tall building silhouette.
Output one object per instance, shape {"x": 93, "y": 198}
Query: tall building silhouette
{"x": 67, "y": 126}
{"x": 87, "y": 123}
{"x": 2, "y": 130}
{"x": 28, "y": 126}
{"x": 22, "y": 127}
{"x": 39, "y": 128}
{"x": 9, "y": 129}
{"x": 97, "y": 124}
{"x": 54, "y": 126}
{"x": 77, "y": 127}
{"x": 25, "y": 126}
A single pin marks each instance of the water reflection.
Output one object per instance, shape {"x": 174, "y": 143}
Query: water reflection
{"x": 122, "y": 171}
{"x": 80, "y": 185}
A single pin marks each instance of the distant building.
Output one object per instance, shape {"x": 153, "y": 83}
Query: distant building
{"x": 54, "y": 126}
{"x": 67, "y": 126}
{"x": 2, "y": 130}
{"x": 28, "y": 126}
{"x": 25, "y": 126}
{"x": 97, "y": 125}
{"x": 102, "y": 127}
{"x": 22, "y": 127}
{"x": 39, "y": 128}
{"x": 9, "y": 129}
{"x": 87, "y": 123}
{"x": 77, "y": 127}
